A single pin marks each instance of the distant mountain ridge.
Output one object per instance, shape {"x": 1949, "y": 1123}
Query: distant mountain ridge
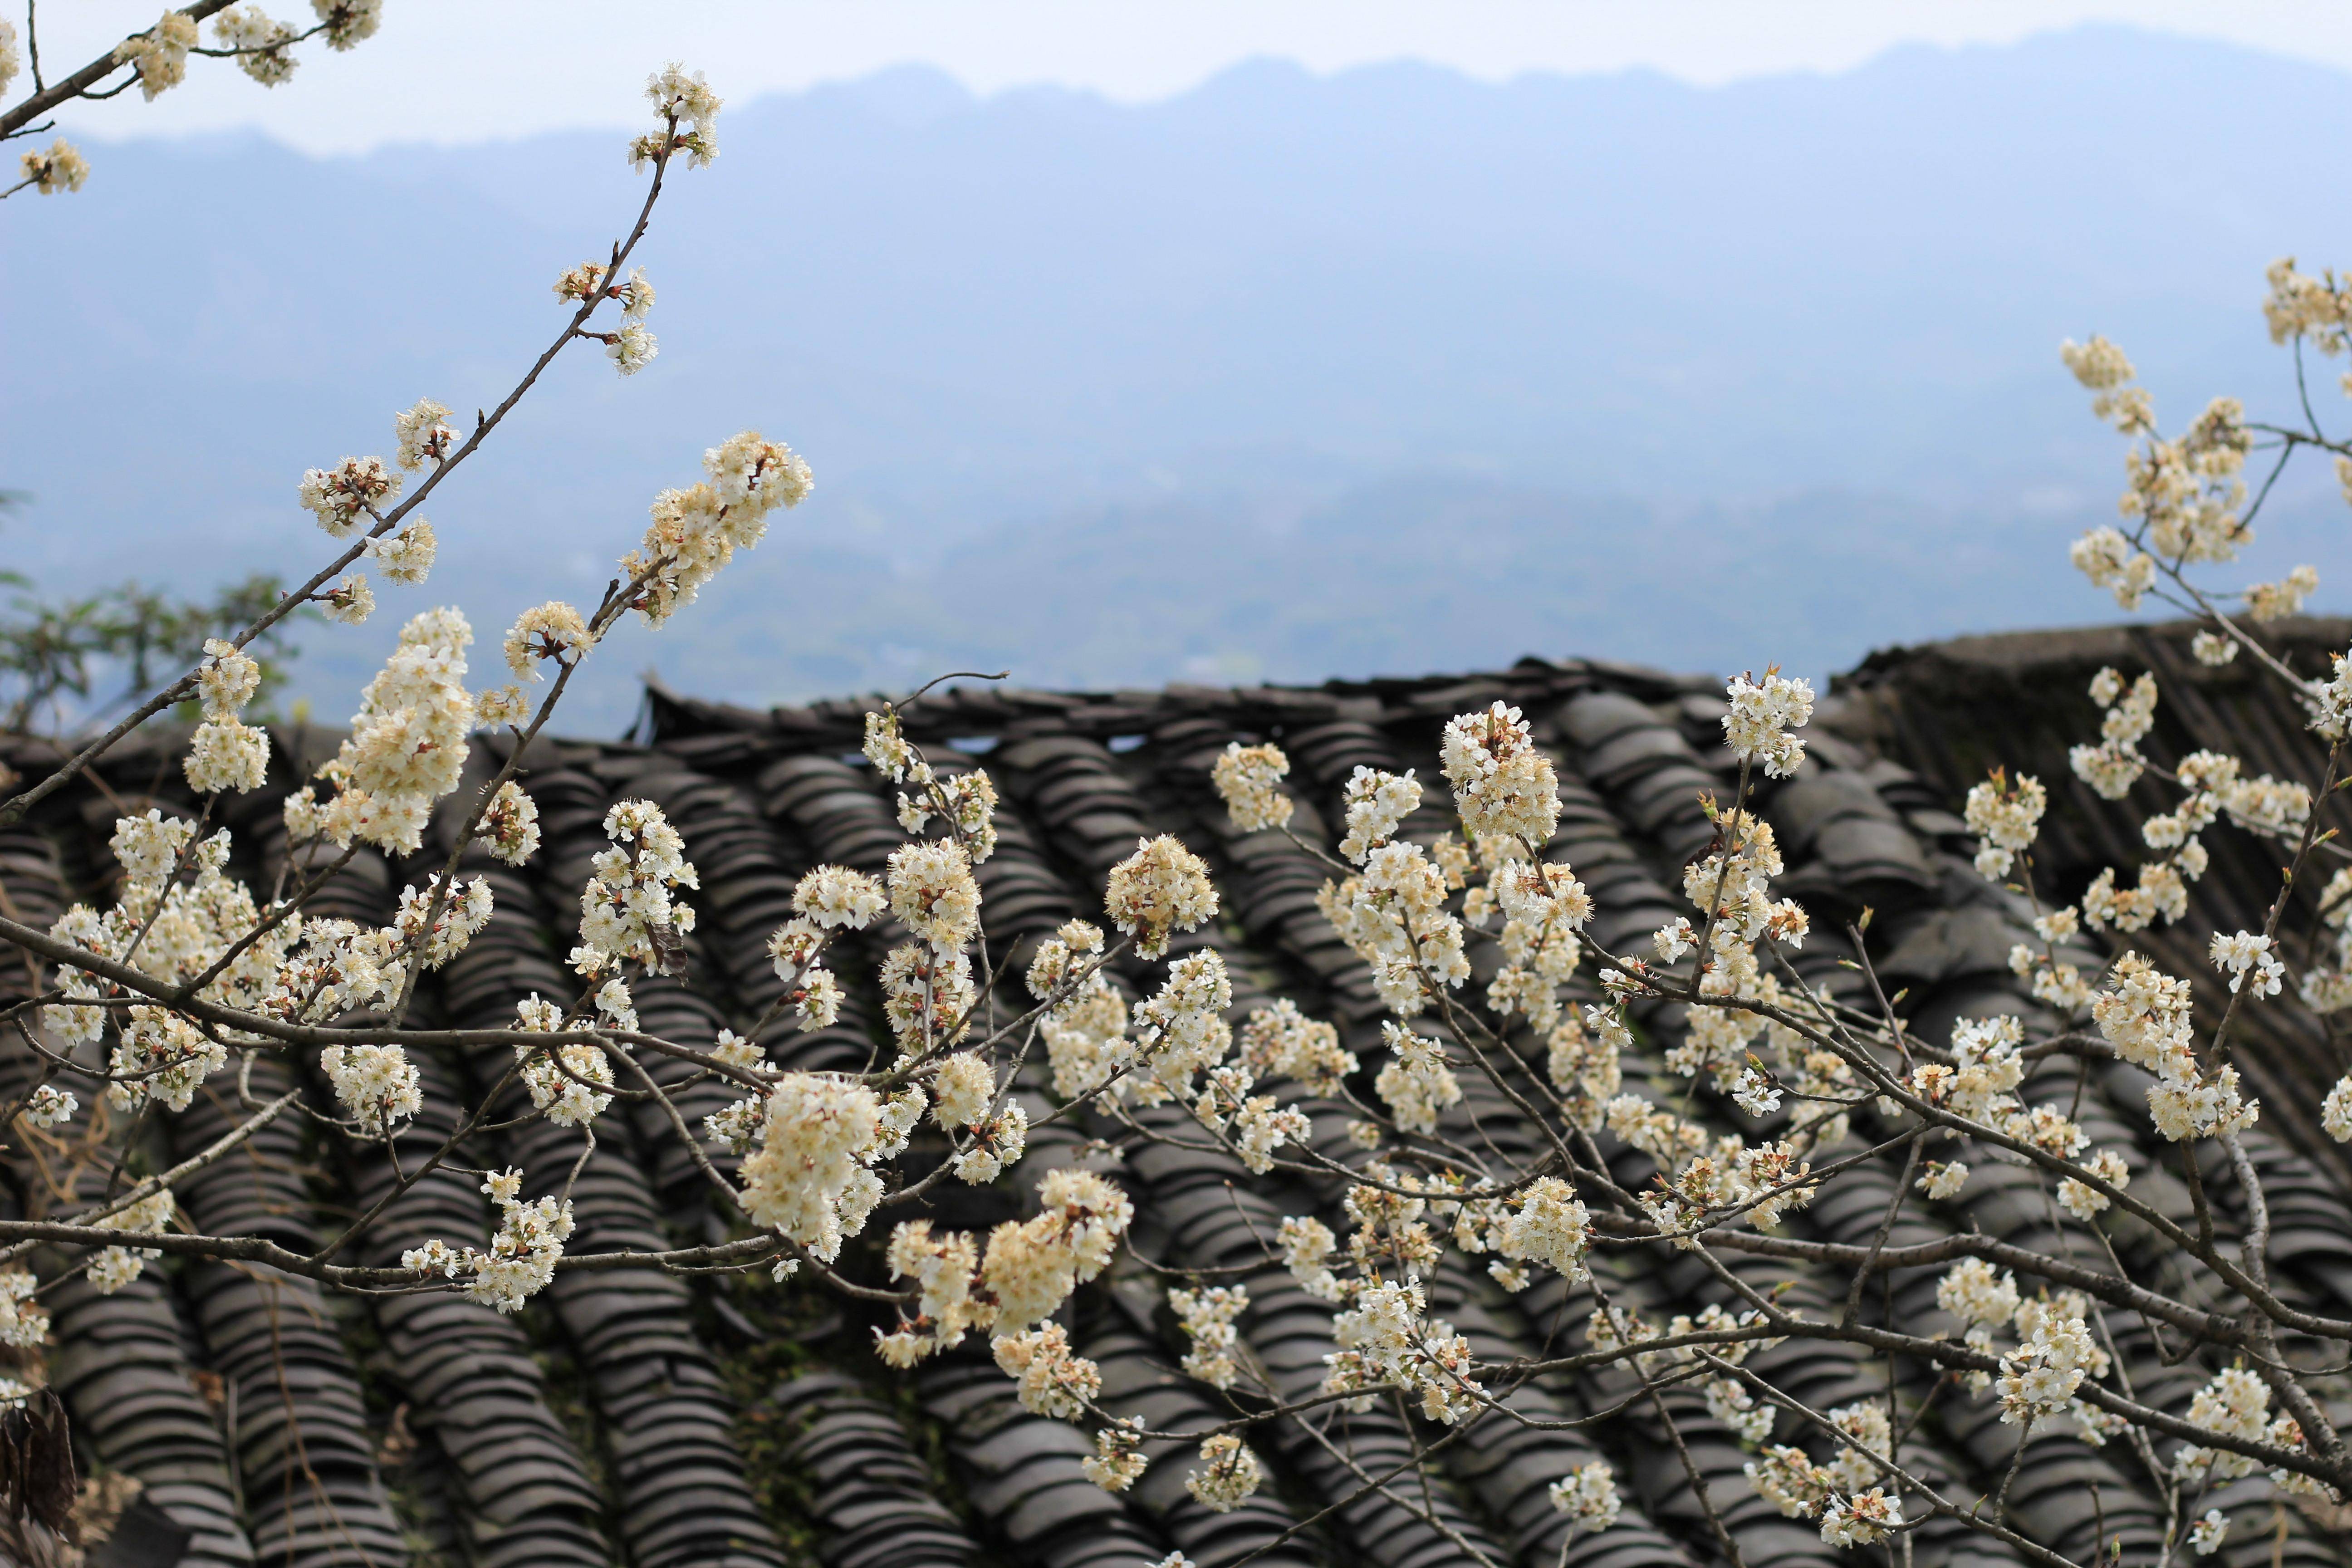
{"x": 1563, "y": 318}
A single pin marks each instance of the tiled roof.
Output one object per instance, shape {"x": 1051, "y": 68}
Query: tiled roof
{"x": 667, "y": 1421}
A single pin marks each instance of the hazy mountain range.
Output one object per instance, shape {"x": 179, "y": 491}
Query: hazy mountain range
{"x": 1288, "y": 376}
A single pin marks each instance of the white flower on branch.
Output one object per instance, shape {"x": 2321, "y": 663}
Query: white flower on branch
{"x": 695, "y": 532}
{"x": 1546, "y": 1224}
{"x": 1376, "y": 804}
{"x": 631, "y": 348}
{"x": 1588, "y": 1495}
{"x": 629, "y": 907}
{"x": 59, "y": 167}
{"x": 407, "y": 746}
{"x": 1054, "y": 1381}
{"x": 1032, "y": 1265}
{"x": 2235, "y": 1404}
{"x": 2243, "y": 956}
{"x": 2276, "y": 601}
{"x": 1418, "y": 1082}
{"x": 511, "y": 824}
{"x": 2336, "y": 1110}
{"x": 228, "y": 756}
{"x": 679, "y": 99}
{"x": 421, "y": 434}
{"x": 997, "y": 1146}
{"x": 115, "y": 1266}
{"x": 1860, "y": 1521}
{"x": 1207, "y": 1318}
{"x": 1116, "y": 1463}
{"x": 1731, "y": 1403}
{"x": 968, "y": 802}
{"x": 160, "y": 53}
{"x": 2109, "y": 561}
{"x": 2206, "y": 1535}
{"x": 570, "y": 1082}
{"x": 1231, "y": 1476}
{"x": 2082, "y": 1201}
{"x": 350, "y": 601}
{"x": 24, "y": 1321}
{"x": 1279, "y": 1041}
{"x": 407, "y": 556}
{"x": 262, "y": 45}
{"x": 349, "y": 22}
{"x": 1502, "y": 785}
{"x": 1762, "y": 714}
{"x": 348, "y": 494}
{"x": 2005, "y": 817}
{"x": 522, "y": 1257}
{"x": 963, "y": 1090}
{"x": 933, "y": 893}
{"x": 377, "y": 1086}
{"x": 809, "y": 1179}
{"x": 552, "y": 630}
{"x": 226, "y": 680}
{"x": 50, "y": 1108}
{"x": 1161, "y": 889}
{"x": 1248, "y": 778}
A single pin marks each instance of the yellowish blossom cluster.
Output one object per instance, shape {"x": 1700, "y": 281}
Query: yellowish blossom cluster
{"x": 1249, "y": 778}
{"x": 1207, "y": 1318}
{"x": 689, "y": 109}
{"x": 1762, "y": 713}
{"x": 1161, "y": 889}
{"x": 160, "y": 53}
{"x": 697, "y": 531}
{"x": 262, "y": 45}
{"x": 226, "y": 752}
{"x": 1502, "y": 784}
{"x": 2005, "y": 815}
{"x": 407, "y": 746}
{"x": 522, "y": 1257}
{"x": 2144, "y": 1014}
{"x": 115, "y": 1266}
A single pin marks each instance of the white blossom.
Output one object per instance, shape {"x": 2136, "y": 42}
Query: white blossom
{"x": 695, "y": 532}
{"x": 407, "y": 556}
{"x": 1502, "y": 785}
{"x": 1161, "y": 889}
{"x": 2206, "y": 1535}
{"x": 24, "y": 1321}
{"x": 1231, "y": 1477}
{"x": 228, "y": 756}
{"x": 2245, "y": 956}
{"x": 59, "y": 167}
{"x": 160, "y": 53}
{"x": 553, "y": 630}
{"x": 1247, "y": 777}
{"x": 1863, "y": 1519}
{"x": 1207, "y": 1318}
{"x": 1588, "y": 1495}
{"x": 262, "y": 44}
{"x": 376, "y": 1086}
{"x": 1118, "y": 1464}
{"x": 350, "y": 601}
{"x": 629, "y": 907}
{"x": 1762, "y": 714}
{"x": 2005, "y": 817}
{"x": 348, "y": 22}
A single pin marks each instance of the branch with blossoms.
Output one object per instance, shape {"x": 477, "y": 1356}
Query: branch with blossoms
{"x": 154, "y": 61}
{"x": 1515, "y": 1135}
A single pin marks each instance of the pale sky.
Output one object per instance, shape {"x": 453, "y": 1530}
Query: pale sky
{"x": 466, "y": 70}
